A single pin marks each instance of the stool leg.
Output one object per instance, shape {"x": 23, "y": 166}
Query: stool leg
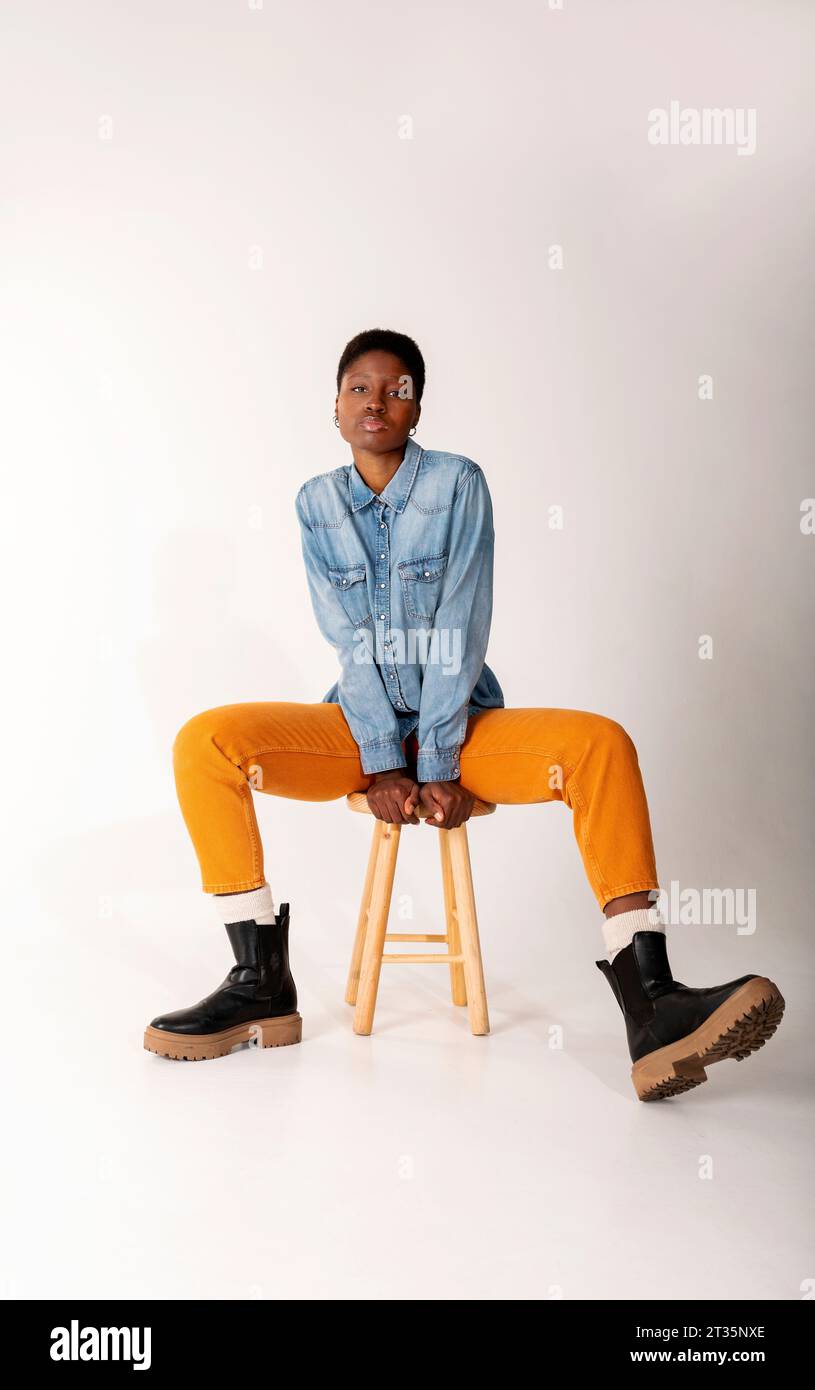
{"x": 468, "y": 927}
{"x": 458, "y": 988}
{"x": 374, "y": 945}
{"x": 362, "y": 921}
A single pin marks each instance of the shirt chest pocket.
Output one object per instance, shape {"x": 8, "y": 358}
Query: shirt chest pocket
{"x": 421, "y": 584}
{"x": 349, "y": 583}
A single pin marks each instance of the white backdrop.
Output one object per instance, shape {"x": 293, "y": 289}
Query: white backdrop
{"x": 202, "y": 202}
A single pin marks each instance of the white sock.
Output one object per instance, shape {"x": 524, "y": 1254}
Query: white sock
{"x": 256, "y": 905}
{"x": 619, "y": 931}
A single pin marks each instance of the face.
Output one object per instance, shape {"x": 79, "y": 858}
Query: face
{"x": 376, "y": 406}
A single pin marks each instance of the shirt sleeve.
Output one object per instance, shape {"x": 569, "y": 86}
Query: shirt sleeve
{"x": 462, "y": 621}
{"x": 360, "y": 690}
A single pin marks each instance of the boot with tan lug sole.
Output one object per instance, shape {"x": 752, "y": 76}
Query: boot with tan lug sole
{"x": 258, "y": 999}
{"x": 674, "y": 1031}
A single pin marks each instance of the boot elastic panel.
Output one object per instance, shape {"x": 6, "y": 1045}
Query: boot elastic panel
{"x": 606, "y": 967}
{"x": 639, "y": 974}
{"x": 647, "y": 952}
{"x": 650, "y": 950}
{"x": 251, "y": 943}
{"x": 257, "y": 946}
{"x": 244, "y": 938}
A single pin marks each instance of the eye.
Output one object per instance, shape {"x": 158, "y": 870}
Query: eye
{"x": 357, "y": 388}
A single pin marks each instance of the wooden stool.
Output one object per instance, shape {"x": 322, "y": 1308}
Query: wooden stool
{"x": 464, "y": 954}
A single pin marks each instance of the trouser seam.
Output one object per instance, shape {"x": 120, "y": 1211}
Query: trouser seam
{"x": 523, "y": 752}
{"x": 601, "y": 879}
{"x": 287, "y": 748}
{"x": 242, "y": 886}
{"x": 245, "y": 796}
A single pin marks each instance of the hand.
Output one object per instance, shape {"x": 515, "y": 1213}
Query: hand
{"x": 448, "y": 804}
{"x": 394, "y": 797}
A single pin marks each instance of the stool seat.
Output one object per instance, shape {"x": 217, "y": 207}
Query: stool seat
{"x": 461, "y": 935}
{"x": 358, "y": 801}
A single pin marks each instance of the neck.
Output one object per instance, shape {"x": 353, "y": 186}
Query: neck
{"x": 377, "y": 469}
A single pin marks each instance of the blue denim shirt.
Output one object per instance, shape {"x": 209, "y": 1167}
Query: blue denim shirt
{"x": 401, "y": 586}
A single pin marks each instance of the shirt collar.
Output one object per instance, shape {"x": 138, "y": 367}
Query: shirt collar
{"x": 398, "y": 490}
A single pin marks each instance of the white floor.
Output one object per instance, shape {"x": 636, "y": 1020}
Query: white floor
{"x": 418, "y": 1163}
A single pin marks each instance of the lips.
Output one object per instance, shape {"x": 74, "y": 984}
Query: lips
{"x": 372, "y": 424}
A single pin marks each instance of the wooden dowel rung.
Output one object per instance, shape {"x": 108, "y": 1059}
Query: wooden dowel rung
{"x": 403, "y": 936}
{"x": 417, "y": 959}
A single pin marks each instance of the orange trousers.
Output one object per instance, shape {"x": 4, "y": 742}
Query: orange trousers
{"x": 509, "y": 756}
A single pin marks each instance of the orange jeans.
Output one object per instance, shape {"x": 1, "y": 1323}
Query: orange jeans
{"x": 509, "y": 756}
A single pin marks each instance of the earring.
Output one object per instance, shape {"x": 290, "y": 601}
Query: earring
{"x": 413, "y": 431}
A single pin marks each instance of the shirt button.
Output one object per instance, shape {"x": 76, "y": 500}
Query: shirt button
{"x": 382, "y": 586}
{"x": 392, "y": 676}
{"x": 381, "y": 525}
{"x": 382, "y": 615}
{"x": 382, "y": 555}
{"x": 427, "y": 574}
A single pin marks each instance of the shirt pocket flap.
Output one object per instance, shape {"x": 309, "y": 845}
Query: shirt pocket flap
{"x": 431, "y": 567}
{"x": 342, "y": 577}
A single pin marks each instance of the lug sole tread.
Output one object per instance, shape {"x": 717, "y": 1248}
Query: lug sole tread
{"x": 284, "y": 1031}
{"x": 680, "y": 1066}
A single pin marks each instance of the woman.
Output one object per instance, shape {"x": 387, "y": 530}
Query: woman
{"x": 398, "y": 549}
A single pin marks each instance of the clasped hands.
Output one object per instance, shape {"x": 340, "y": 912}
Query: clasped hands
{"x": 394, "y": 797}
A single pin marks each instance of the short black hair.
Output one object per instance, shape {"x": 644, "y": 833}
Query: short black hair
{"x": 384, "y": 340}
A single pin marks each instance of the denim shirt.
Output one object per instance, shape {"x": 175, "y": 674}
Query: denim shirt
{"x": 401, "y": 586}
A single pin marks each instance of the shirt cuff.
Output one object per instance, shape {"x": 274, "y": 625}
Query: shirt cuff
{"x": 382, "y": 756}
{"x": 437, "y": 765}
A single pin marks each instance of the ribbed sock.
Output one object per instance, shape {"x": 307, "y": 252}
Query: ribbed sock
{"x": 618, "y": 931}
{"x": 257, "y": 905}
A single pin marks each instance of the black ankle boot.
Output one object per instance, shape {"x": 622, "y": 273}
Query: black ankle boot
{"x": 673, "y": 1030}
{"x": 257, "y": 999}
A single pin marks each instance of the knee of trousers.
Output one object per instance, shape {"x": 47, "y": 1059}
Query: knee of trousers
{"x": 195, "y": 743}
{"x": 608, "y": 733}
